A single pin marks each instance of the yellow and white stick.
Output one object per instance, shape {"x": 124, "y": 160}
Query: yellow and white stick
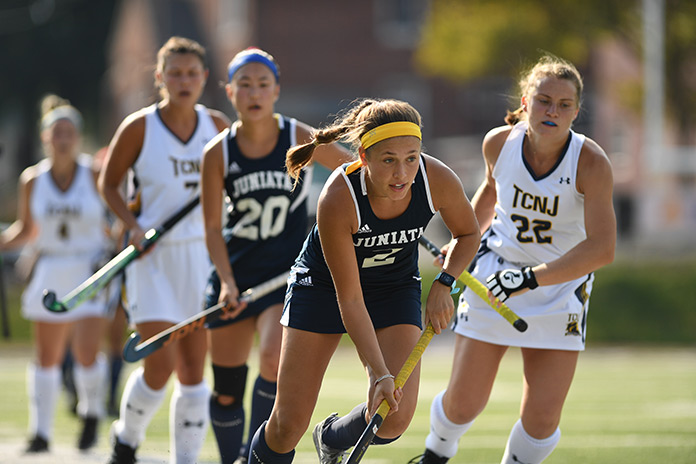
{"x": 481, "y": 290}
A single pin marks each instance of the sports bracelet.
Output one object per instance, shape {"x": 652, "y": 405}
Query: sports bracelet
{"x": 385, "y": 376}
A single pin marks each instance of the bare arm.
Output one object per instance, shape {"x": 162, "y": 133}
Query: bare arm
{"x": 485, "y": 197}
{"x": 330, "y": 155}
{"x": 220, "y": 119}
{"x": 595, "y": 181}
{"x": 457, "y": 213}
{"x": 212, "y": 187}
{"x": 123, "y": 152}
{"x": 23, "y": 229}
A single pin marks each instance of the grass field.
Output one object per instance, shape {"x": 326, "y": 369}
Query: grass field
{"x": 627, "y": 405}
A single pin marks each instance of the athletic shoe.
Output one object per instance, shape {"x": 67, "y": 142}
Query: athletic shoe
{"x": 37, "y": 444}
{"x": 428, "y": 457}
{"x": 327, "y": 455}
{"x": 122, "y": 454}
{"x": 88, "y": 437}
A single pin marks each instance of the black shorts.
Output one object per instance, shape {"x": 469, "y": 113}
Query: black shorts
{"x": 212, "y": 296}
{"x": 315, "y": 308}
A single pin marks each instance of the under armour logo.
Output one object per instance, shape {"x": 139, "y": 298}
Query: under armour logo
{"x": 198, "y": 424}
{"x": 514, "y": 458}
{"x": 139, "y": 412}
{"x": 564, "y": 180}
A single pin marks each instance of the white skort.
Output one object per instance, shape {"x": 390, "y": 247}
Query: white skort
{"x": 556, "y": 314}
{"x": 168, "y": 283}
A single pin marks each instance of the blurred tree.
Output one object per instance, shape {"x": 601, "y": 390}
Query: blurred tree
{"x": 469, "y": 39}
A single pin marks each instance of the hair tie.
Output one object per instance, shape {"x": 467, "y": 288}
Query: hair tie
{"x": 315, "y": 142}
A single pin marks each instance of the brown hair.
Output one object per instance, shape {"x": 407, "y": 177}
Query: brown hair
{"x": 548, "y": 65}
{"x": 179, "y": 45}
{"x": 363, "y": 116}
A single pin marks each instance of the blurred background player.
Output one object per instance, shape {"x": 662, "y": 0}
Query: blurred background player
{"x": 117, "y": 318}
{"x": 546, "y": 207}
{"x": 265, "y": 229}
{"x": 61, "y": 216}
{"x": 160, "y": 146}
{"x": 358, "y": 273}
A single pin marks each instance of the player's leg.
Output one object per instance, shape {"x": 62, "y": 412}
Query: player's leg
{"x": 548, "y": 375}
{"x": 265, "y": 386}
{"x": 117, "y": 329}
{"x": 304, "y": 358}
{"x": 188, "y": 411}
{"x": 230, "y": 346}
{"x": 340, "y": 434}
{"x": 144, "y": 390}
{"x": 453, "y": 411}
{"x": 89, "y": 372}
{"x": 43, "y": 381}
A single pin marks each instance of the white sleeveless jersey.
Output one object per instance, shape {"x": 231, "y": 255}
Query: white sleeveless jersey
{"x": 70, "y": 222}
{"x": 537, "y": 219}
{"x": 167, "y": 173}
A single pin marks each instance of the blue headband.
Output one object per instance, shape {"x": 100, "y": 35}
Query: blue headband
{"x": 252, "y": 57}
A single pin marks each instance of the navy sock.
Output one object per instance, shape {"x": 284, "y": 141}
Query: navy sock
{"x": 345, "y": 431}
{"x": 116, "y": 367}
{"x": 260, "y": 453}
{"x": 228, "y": 425}
{"x": 263, "y": 397}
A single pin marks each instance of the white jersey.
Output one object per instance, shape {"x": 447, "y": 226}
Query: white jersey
{"x": 167, "y": 173}
{"x": 69, "y": 222}
{"x": 71, "y": 238}
{"x": 537, "y": 219}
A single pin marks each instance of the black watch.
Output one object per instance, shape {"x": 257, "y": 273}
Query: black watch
{"x": 446, "y": 279}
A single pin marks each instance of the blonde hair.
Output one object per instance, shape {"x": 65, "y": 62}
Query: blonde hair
{"x": 548, "y": 65}
{"x": 55, "y": 108}
{"x": 363, "y": 116}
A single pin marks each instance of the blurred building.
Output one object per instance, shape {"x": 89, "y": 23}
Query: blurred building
{"x": 333, "y": 52}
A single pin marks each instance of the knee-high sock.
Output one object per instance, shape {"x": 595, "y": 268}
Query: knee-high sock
{"x": 43, "y": 388}
{"x": 444, "y": 435}
{"x": 188, "y": 421}
{"x": 90, "y": 384}
{"x": 260, "y": 453}
{"x": 263, "y": 397}
{"x": 522, "y": 448}
{"x": 138, "y": 405}
{"x": 345, "y": 431}
{"x": 228, "y": 425}
{"x": 116, "y": 365}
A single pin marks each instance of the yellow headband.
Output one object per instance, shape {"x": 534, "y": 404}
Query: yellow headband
{"x": 387, "y": 131}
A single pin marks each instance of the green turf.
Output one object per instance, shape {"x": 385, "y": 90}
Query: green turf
{"x": 627, "y": 405}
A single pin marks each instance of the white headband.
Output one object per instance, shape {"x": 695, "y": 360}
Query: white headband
{"x": 62, "y": 112}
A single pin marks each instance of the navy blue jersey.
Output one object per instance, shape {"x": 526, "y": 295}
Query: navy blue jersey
{"x": 267, "y": 220}
{"x": 386, "y": 249}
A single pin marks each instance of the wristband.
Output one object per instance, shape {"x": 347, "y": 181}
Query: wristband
{"x": 385, "y": 376}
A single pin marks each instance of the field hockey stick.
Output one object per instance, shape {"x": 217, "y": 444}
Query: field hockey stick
{"x": 480, "y": 289}
{"x": 103, "y": 276}
{"x": 376, "y": 422}
{"x": 132, "y": 351}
